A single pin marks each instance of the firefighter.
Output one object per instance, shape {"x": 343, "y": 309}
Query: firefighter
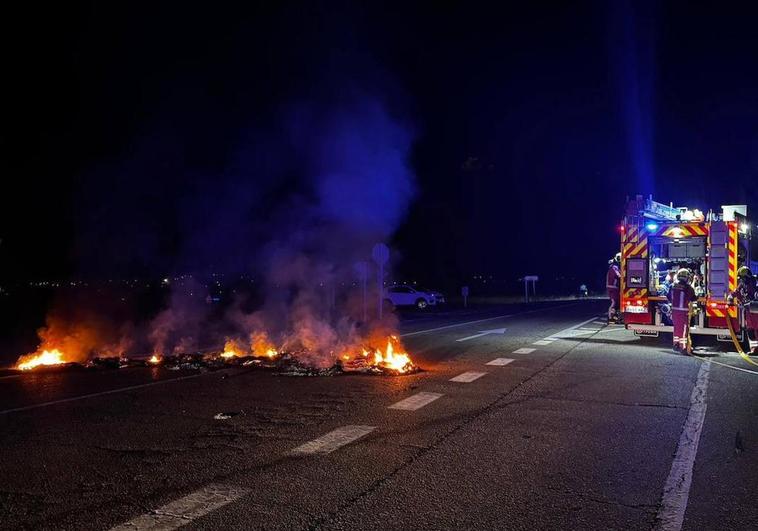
{"x": 681, "y": 295}
{"x": 612, "y": 280}
{"x": 746, "y": 295}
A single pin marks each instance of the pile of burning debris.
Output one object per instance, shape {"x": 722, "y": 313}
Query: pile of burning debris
{"x": 391, "y": 360}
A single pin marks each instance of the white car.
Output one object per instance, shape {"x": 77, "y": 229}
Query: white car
{"x": 408, "y": 296}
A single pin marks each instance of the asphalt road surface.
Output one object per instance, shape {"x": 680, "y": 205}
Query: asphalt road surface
{"x": 522, "y": 419}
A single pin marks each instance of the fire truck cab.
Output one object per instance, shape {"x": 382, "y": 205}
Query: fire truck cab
{"x": 657, "y": 240}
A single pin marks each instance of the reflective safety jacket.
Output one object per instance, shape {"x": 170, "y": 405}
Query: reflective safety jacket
{"x": 681, "y": 295}
{"x": 613, "y": 277}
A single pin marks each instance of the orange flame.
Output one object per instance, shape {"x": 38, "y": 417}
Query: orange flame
{"x": 155, "y": 359}
{"x": 232, "y": 350}
{"x": 262, "y": 346}
{"x": 390, "y": 359}
{"x": 46, "y": 357}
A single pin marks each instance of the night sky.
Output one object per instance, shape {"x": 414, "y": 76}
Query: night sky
{"x": 147, "y": 140}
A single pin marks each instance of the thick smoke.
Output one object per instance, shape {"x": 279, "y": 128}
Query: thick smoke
{"x": 349, "y": 187}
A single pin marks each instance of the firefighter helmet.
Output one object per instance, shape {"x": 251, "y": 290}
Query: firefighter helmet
{"x": 683, "y": 274}
{"x": 744, "y": 272}
{"x": 617, "y": 258}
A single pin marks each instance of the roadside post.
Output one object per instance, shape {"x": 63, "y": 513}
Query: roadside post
{"x": 527, "y": 279}
{"x": 361, "y": 269}
{"x": 464, "y": 293}
{"x": 381, "y": 254}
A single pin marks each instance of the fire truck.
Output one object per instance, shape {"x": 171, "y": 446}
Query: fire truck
{"x": 657, "y": 240}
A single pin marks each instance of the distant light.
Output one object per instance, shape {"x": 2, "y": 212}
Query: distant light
{"x": 652, "y": 226}
{"x": 622, "y": 228}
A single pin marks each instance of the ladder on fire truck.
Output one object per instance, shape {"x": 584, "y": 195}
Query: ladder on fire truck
{"x": 649, "y": 209}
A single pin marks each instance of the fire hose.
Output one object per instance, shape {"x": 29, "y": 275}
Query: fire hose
{"x": 687, "y": 334}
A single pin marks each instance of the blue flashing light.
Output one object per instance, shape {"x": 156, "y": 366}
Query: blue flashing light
{"x": 652, "y": 227}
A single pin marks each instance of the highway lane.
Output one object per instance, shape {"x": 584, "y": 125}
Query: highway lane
{"x": 580, "y": 432}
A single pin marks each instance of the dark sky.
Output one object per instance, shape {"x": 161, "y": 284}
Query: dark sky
{"x": 126, "y": 128}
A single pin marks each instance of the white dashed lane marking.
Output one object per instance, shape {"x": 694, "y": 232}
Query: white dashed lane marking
{"x": 542, "y": 342}
{"x": 524, "y": 351}
{"x": 333, "y": 440}
{"x": 181, "y": 512}
{"x": 500, "y": 361}
{"x": 468, "y": 377}
{"x": 417, "y": 401}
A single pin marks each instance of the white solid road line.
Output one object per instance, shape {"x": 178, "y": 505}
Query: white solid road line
{"x": 572, "y": 331}
{"x": 334, "y": 439}
{"x": 524, "y": 351}
{"x": 181, "y": 512}
{"x": 677, "y": 488}
{"x": 468, "y": 377}
{"x": 110, "y": 392}
{"x": 500, "y": 361}
{"x": 417, "y": 401}
{"x": 408, "y": 334}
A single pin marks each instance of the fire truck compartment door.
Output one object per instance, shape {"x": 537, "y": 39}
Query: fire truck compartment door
{"x": 718, "y": 262}
{"x": 636, "y": 273}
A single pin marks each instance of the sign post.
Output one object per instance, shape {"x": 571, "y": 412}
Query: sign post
{"x": 361, "y": 269}
{"x": 464, "y": 293}
{"x": 533, "y": 279}
{"x": 381, "y": 254}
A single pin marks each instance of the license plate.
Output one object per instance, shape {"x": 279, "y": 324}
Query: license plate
{"x": 636, "y": 309}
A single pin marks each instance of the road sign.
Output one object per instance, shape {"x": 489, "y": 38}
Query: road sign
{"x": 464, "y": 294}
{"x": 527, "y": 279}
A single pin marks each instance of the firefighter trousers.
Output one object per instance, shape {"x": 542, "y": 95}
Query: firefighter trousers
{"x": 680, "y": 319}
{"x": 751, "y": 323}
{"x": 613, "y": 310}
